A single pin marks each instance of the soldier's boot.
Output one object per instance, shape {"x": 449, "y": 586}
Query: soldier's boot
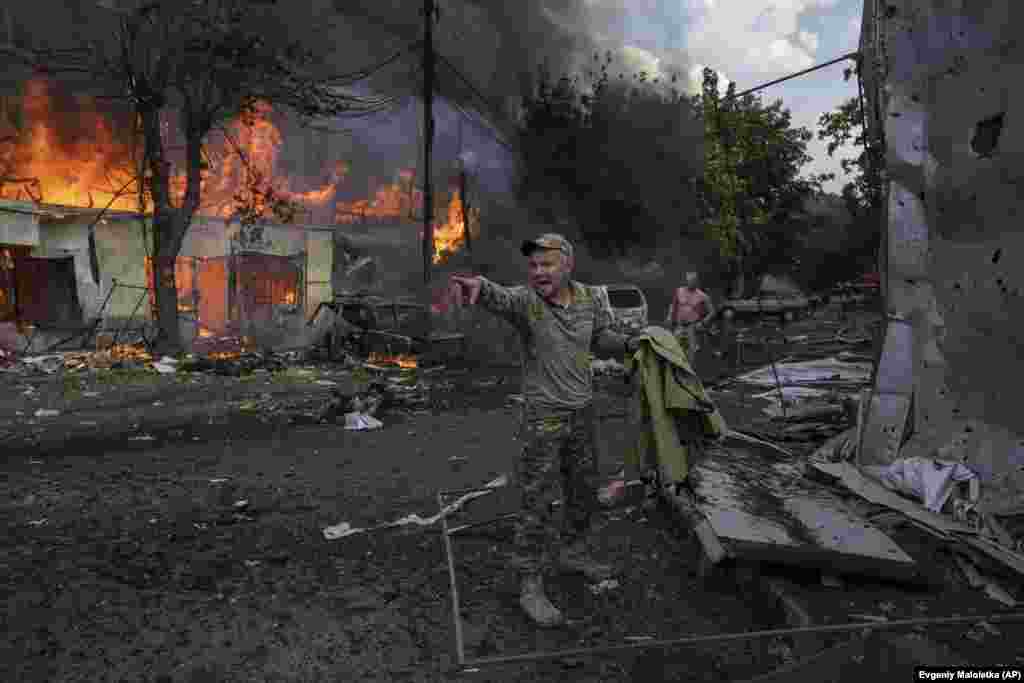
{"x": 575, "y": 559}
{"x": 536, "y": 604}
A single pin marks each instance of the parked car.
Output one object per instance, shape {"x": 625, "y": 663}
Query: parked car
{"x": 628, "y": 305}
{"x": 786, "y": 304}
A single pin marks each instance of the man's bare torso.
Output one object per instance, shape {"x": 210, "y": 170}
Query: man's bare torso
{"x": 689, "y": 306}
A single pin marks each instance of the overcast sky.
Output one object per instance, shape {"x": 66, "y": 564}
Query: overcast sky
{"x": 751, "y": 42}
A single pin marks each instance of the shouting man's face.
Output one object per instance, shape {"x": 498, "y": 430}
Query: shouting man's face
{"x": 548, "y": 272}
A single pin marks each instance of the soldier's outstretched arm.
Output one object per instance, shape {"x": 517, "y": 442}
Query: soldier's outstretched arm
{"x": 509, "y": 303}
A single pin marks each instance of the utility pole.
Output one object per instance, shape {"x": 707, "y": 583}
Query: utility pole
{"x": 429, "y": 15}
{"x": 465, "y": 208}
{"x": 463, "y": 197}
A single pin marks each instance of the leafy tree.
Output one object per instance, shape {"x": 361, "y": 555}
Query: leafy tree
{"x": 752, "y": 194}
{"x": 864, "y": 193}
{"x": 204, "y": 62}
{"x": 620, "y": 154}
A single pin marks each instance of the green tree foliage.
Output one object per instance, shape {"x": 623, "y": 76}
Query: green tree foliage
{"x": 621, "y": 154}
{"x": 752, "y": 194}
{"x": 863, "y": 195}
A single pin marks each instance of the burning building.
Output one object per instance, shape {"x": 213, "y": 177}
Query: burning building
{"x": 63, "y": 268}
{"x": 75, "y": 244}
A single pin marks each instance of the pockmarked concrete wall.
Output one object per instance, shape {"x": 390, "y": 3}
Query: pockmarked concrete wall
{"x": 945, "y": 77}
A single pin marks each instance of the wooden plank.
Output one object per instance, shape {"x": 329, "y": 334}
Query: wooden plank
{"x": 761, "y": 507}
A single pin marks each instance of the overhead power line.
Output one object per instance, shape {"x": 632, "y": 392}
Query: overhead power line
{"x": 490, "y": 131}
{"x": 851, "y": 55}
{"x": 473, "y": 89}
{"x": 365, "y": 73}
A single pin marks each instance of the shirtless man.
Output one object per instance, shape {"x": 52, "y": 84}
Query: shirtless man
{"x": 691, "y": 309}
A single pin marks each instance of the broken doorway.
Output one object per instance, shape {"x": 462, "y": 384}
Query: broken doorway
{"x": 46, "y": 292}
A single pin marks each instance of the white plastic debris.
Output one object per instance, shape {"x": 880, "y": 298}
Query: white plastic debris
{"x": 166, "y": 366}
{"x": 326, "y": 383}
{"x": 361, "y": 422}
{"x": 144, "y": 437}
{"x": 810, "y": 372}
{"x": 606, "y": 585}
{"x": 46, "y": 412}
{"x": 344, "y": 529}
{"x": 929, "y": 480}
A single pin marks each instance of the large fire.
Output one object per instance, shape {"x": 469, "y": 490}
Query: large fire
{"x": 62, "y": 159}
{"x": 78, "y": 160}
{"x": 400, "y": 201}
{"x": 75, "y": 154}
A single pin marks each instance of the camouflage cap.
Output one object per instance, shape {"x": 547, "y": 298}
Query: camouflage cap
{"x": 548, "y": 240}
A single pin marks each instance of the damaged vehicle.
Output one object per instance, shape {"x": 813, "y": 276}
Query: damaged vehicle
{"x": 628, "y": 306}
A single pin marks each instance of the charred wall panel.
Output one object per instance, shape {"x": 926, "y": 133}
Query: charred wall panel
{"x": 45, "y": 292}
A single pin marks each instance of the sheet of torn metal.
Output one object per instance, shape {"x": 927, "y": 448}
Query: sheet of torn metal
{"x": 810, "y": 373}
{"x": 762, "y": 508}
{"x": 344, "y": 529}
{"x": 1009, "y": 558}
{"x": 867, "y": 488}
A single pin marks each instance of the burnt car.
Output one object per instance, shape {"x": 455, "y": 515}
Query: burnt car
{"x": 376, "y": 324}
{"x": 628, "y": 306}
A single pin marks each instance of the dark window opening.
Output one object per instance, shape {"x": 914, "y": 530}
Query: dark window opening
{"x": 625, "y": 298}
{"x": 46, "y": 292}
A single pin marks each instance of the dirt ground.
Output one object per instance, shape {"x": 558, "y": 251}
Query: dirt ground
{"x": 171, "y": 530}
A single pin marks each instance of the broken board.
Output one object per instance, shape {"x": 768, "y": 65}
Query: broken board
{"x": 763, "y": 509}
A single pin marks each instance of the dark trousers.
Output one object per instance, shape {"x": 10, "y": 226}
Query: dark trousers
{"x": 558, "y": 464}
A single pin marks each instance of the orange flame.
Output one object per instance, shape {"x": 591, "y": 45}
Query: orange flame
{"x": 401, "y": 360}
{"x": 450, "y": 235}
{"x": 400, "y": 201}
{"x": 81, "y": 162}
{"x": 85, "y": 167}
{"x": 395, "y": 201}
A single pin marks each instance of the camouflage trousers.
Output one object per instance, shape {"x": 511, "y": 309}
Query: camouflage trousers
{"x": 558, "y": 465}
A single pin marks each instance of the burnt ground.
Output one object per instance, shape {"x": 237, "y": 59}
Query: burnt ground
{"x": 171, "y": 529}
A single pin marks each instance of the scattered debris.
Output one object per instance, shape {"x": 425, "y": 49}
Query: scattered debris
{"x": 809, "y": 374}
{"x": 604, "y": 586}
{"x": 929, "y": 480}
{"x": 166, "y": 366}
{"x": 361, "y": 422}
{"x": 144, "y": 437}
{"x": 344, "y": 529}
{"x": 46, "y": 412}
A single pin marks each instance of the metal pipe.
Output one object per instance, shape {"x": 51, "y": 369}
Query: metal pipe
{"x": 460, "y": 651}
{"x": 726, "y": 637}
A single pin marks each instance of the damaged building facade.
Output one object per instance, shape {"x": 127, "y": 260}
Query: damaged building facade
{"x": 66, "y": 270}
{"x": 941, "y": 81}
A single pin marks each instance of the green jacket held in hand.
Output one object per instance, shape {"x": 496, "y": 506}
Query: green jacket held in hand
{"x": 670, "y": 407}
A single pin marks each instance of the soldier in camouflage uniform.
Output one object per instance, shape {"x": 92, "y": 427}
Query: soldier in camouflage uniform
{"x": 559, "y": 321}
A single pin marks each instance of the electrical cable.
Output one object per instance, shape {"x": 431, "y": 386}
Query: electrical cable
{"x": 365, "y": 73}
